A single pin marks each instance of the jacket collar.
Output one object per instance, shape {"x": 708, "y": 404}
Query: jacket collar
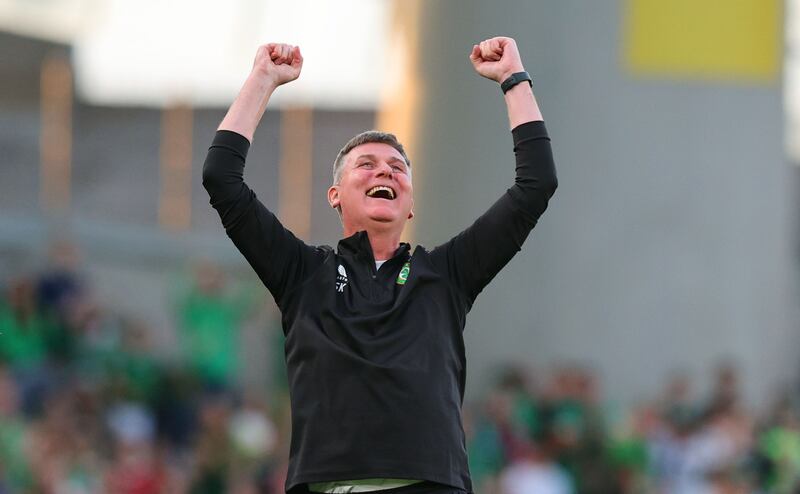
{"x": 357, "y": 245}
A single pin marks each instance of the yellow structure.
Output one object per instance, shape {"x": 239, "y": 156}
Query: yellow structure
{"x": 704, "y": 39}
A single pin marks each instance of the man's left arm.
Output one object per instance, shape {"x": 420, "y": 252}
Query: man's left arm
{"x": 473, "y": 257}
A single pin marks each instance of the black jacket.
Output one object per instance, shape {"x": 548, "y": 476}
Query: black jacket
{"x": 376, "y": 359}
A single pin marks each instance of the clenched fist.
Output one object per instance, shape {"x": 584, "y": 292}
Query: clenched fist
{"x": 496, "y": 58}
{"x": 278, "y": 62}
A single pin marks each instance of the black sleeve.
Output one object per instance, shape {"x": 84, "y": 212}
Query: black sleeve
{"x": 473, "y": 257}
{"x": 281, "y": 260}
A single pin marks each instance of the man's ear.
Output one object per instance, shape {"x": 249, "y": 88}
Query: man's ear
{"x": 411, "y": 211}
{"x": 333, "y": 196}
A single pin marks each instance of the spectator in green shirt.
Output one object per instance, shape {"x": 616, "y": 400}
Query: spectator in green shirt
{"x": 24, "y": 333}
{"x": 15, "y": 474}
{"x": 210, "y": 317}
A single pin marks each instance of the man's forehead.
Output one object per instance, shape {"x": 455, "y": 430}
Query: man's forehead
{"x": 375, "y": 150}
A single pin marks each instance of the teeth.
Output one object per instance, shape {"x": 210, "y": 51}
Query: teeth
{"x": 375, "y": 189}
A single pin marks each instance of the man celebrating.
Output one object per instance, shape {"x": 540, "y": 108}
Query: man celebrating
{"x": 374, "y": 344}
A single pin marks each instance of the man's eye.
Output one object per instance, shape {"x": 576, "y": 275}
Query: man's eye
{"x": 366, "y": 163}
{"x": 398, "y": 169}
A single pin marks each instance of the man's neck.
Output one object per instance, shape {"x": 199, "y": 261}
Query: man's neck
{"x": 384, "y": 243}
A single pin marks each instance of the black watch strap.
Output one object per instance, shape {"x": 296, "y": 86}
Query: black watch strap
{"x": 515, "y": 79}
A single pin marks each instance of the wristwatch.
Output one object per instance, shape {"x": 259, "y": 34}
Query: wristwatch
{"x": 515, "y": 79}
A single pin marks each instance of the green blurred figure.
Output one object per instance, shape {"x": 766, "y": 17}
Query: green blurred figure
{"x": 576, "y": 430}
{"x": 24, "y": 328}
{"x": 484, "y": 449}
{"x": 779, "y": 446}
{"x": 25, "y": 332}
{"x": 627, "y": 449}
{"x": 134, "y": 370}
{"x": 15, "y": 473}
{"x": 210, "y": 318}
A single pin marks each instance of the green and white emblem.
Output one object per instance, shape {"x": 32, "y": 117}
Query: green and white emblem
{"x": 403, "y": 276}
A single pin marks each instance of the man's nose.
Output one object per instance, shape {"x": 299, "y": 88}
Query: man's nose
{"x": 385, "y": 170}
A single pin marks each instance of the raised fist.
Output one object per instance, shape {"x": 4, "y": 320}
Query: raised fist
{"x": 279, "y": 62}
{"x": 496, "y": 58}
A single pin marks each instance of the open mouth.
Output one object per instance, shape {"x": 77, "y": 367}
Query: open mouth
{"x": 381, "y": 192}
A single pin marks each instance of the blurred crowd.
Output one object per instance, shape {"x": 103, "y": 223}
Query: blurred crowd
{"x": 560, "y": 438}
{"x": 87, "y": 405}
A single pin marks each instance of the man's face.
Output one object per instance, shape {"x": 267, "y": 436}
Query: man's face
{"x": 375, "y": 187}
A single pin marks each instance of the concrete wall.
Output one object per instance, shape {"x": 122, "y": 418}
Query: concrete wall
{"x": 669, "y": 244}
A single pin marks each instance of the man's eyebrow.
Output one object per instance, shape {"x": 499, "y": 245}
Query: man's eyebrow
{"x": 375, "y": 158}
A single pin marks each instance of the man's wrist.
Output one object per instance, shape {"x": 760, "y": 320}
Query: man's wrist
{"x": 520, "y": 89}
{"x": 514, "y": 80}
{"x": 263, "y": 81}
{"x": 509, "y": 73}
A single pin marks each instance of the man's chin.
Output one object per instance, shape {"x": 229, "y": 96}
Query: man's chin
{"x": 383, "y": 219}
{"x": 382, "y": 215}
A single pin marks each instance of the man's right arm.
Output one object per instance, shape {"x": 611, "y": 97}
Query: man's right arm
{"x": 275, "y": 64}
{"x": 279, "y": 258}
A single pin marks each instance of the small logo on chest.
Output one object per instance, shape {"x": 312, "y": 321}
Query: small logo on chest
{"x": 341, "y": 279}
{"x": 403, "y": 276}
